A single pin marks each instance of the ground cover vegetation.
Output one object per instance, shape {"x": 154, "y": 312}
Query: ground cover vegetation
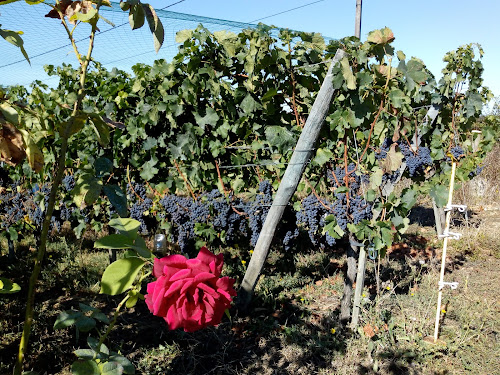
{"x": 195, "y": 147}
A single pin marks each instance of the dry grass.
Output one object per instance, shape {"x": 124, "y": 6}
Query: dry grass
{"x": 484, "y": 189}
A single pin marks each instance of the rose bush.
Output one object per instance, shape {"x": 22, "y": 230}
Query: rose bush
{"x": 189, "y": 293}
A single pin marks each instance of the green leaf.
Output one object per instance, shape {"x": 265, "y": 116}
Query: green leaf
{"x": 8, "y": 287}
{"x": 141, "y": 248}
{"x": 416, "y": 71}
{"x": 249, "y": 104}
{"x": 93, "y": 191}
{"x": 100, "y": 316}
{"x": 9, "y": 113}
{"x": 269, "y": 94}
{"x": 87, "y": 189}
{"x": 132, "y": 300}
{"x": 111, "y": 368}
{"x": 66, "y": 319}
{"x": 85, "y": 323}
{"x": 117, "y": 198}
{"x": 386, "y": 236}
{"x": 408, "y": 199}
{"x": 440, "y": 195}
{"x": 128, "y": 367}
{"x": 155, "y": 26}
{"x": 114, "y": 241}
{"x": 124, "y": 5}
{"x": 12, "y": 232}
{"x": 183, "y": 35}
{"x": 126, "y": 226}
{"x": 347, "y": 73}
{"x": 14, "y": 38}
{"x": 211, "y": 117}
{"x": 323, "y": 155}
{"x": 103, "y": 166}
{"x": 149, "y": 170}
{"x": 382, "y": 36}
{"x": 86, "y": 308}
{"x": 398, "y": 98}
{"x": 93, "y": 344}
{"x": 136, "y": 16}
{"x": 281, "y": 137}
{"x": 87, "y": 367}
{"x": 341, "y": 189}
{"x": 85, "y": 354}
{"x": 376, "y": 178}
{"x": 75, "y": 123}
{"x": 397, "y": 220}
{"x": 90, "y": 13}
{"x": 33, "y": 153}
{"x": 120, "y": 275}
{"x": 102, "y": 130}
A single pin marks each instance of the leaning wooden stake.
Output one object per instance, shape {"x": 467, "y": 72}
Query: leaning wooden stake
{"x": 443, "y": 256}
{"x": 300, "y": 157}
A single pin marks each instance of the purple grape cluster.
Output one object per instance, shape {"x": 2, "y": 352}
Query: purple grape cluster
{"x": 476, "y": 172}
{"x": 457, "y": 153}
{"x": 68, "y": 182}
{"x": 257, "y": 210}
{"x": 384, "y": 149}
{"x": 415, "y": 160}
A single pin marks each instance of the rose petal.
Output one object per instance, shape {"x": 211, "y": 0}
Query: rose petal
{"x": 204, "y": 277}
{"x": 209, "y": 299}
{"x": 209, "y": 310}
{"x": 173, "y": 318}
{"x": 197, "y": 265}
{"x": 182, "y": 274}
{"x": 226, "y": 283}
{"x": 156, "y": 290}
{"x": 174, "y": 260}
{"x": 187, "y": 310}
{"x": 187, "y": 284}
{"x": 225, "y": 294}
{"x": 207, "y": 289}
{"x": 205, "y": 256}
{"x": 174, "y": 288}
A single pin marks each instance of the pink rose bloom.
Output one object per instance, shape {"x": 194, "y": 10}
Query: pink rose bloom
{"x": 189, "y": 293}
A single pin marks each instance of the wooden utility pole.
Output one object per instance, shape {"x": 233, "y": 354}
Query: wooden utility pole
{"x": 357, "y": 26}
{"x": 300, "y": 157}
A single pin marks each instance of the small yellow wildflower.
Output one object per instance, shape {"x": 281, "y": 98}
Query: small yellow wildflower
{"x": 363, "y": 295}
{"x": 332, "y": 331}
{"x": 243, "y": 262}
{"x": 302, "y": 300}
{"x": 443, "y": 311}
{"x": 388, "y": 288}
{"x": 412, "y": 294}
{"x": 251, "y": 252}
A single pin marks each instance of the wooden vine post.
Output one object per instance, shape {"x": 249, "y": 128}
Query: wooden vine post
{"x": 301, "y": 154}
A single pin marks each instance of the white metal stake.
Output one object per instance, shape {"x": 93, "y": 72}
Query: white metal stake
{"x": 443, "y": 257}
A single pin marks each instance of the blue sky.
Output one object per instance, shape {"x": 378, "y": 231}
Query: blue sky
{"x": 425, "y": 29}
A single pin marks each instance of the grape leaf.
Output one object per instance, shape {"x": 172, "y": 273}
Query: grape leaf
{"x": 382, "y": 36}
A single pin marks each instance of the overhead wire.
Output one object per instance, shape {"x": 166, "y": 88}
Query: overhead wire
{"x": 286, "y": 11}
